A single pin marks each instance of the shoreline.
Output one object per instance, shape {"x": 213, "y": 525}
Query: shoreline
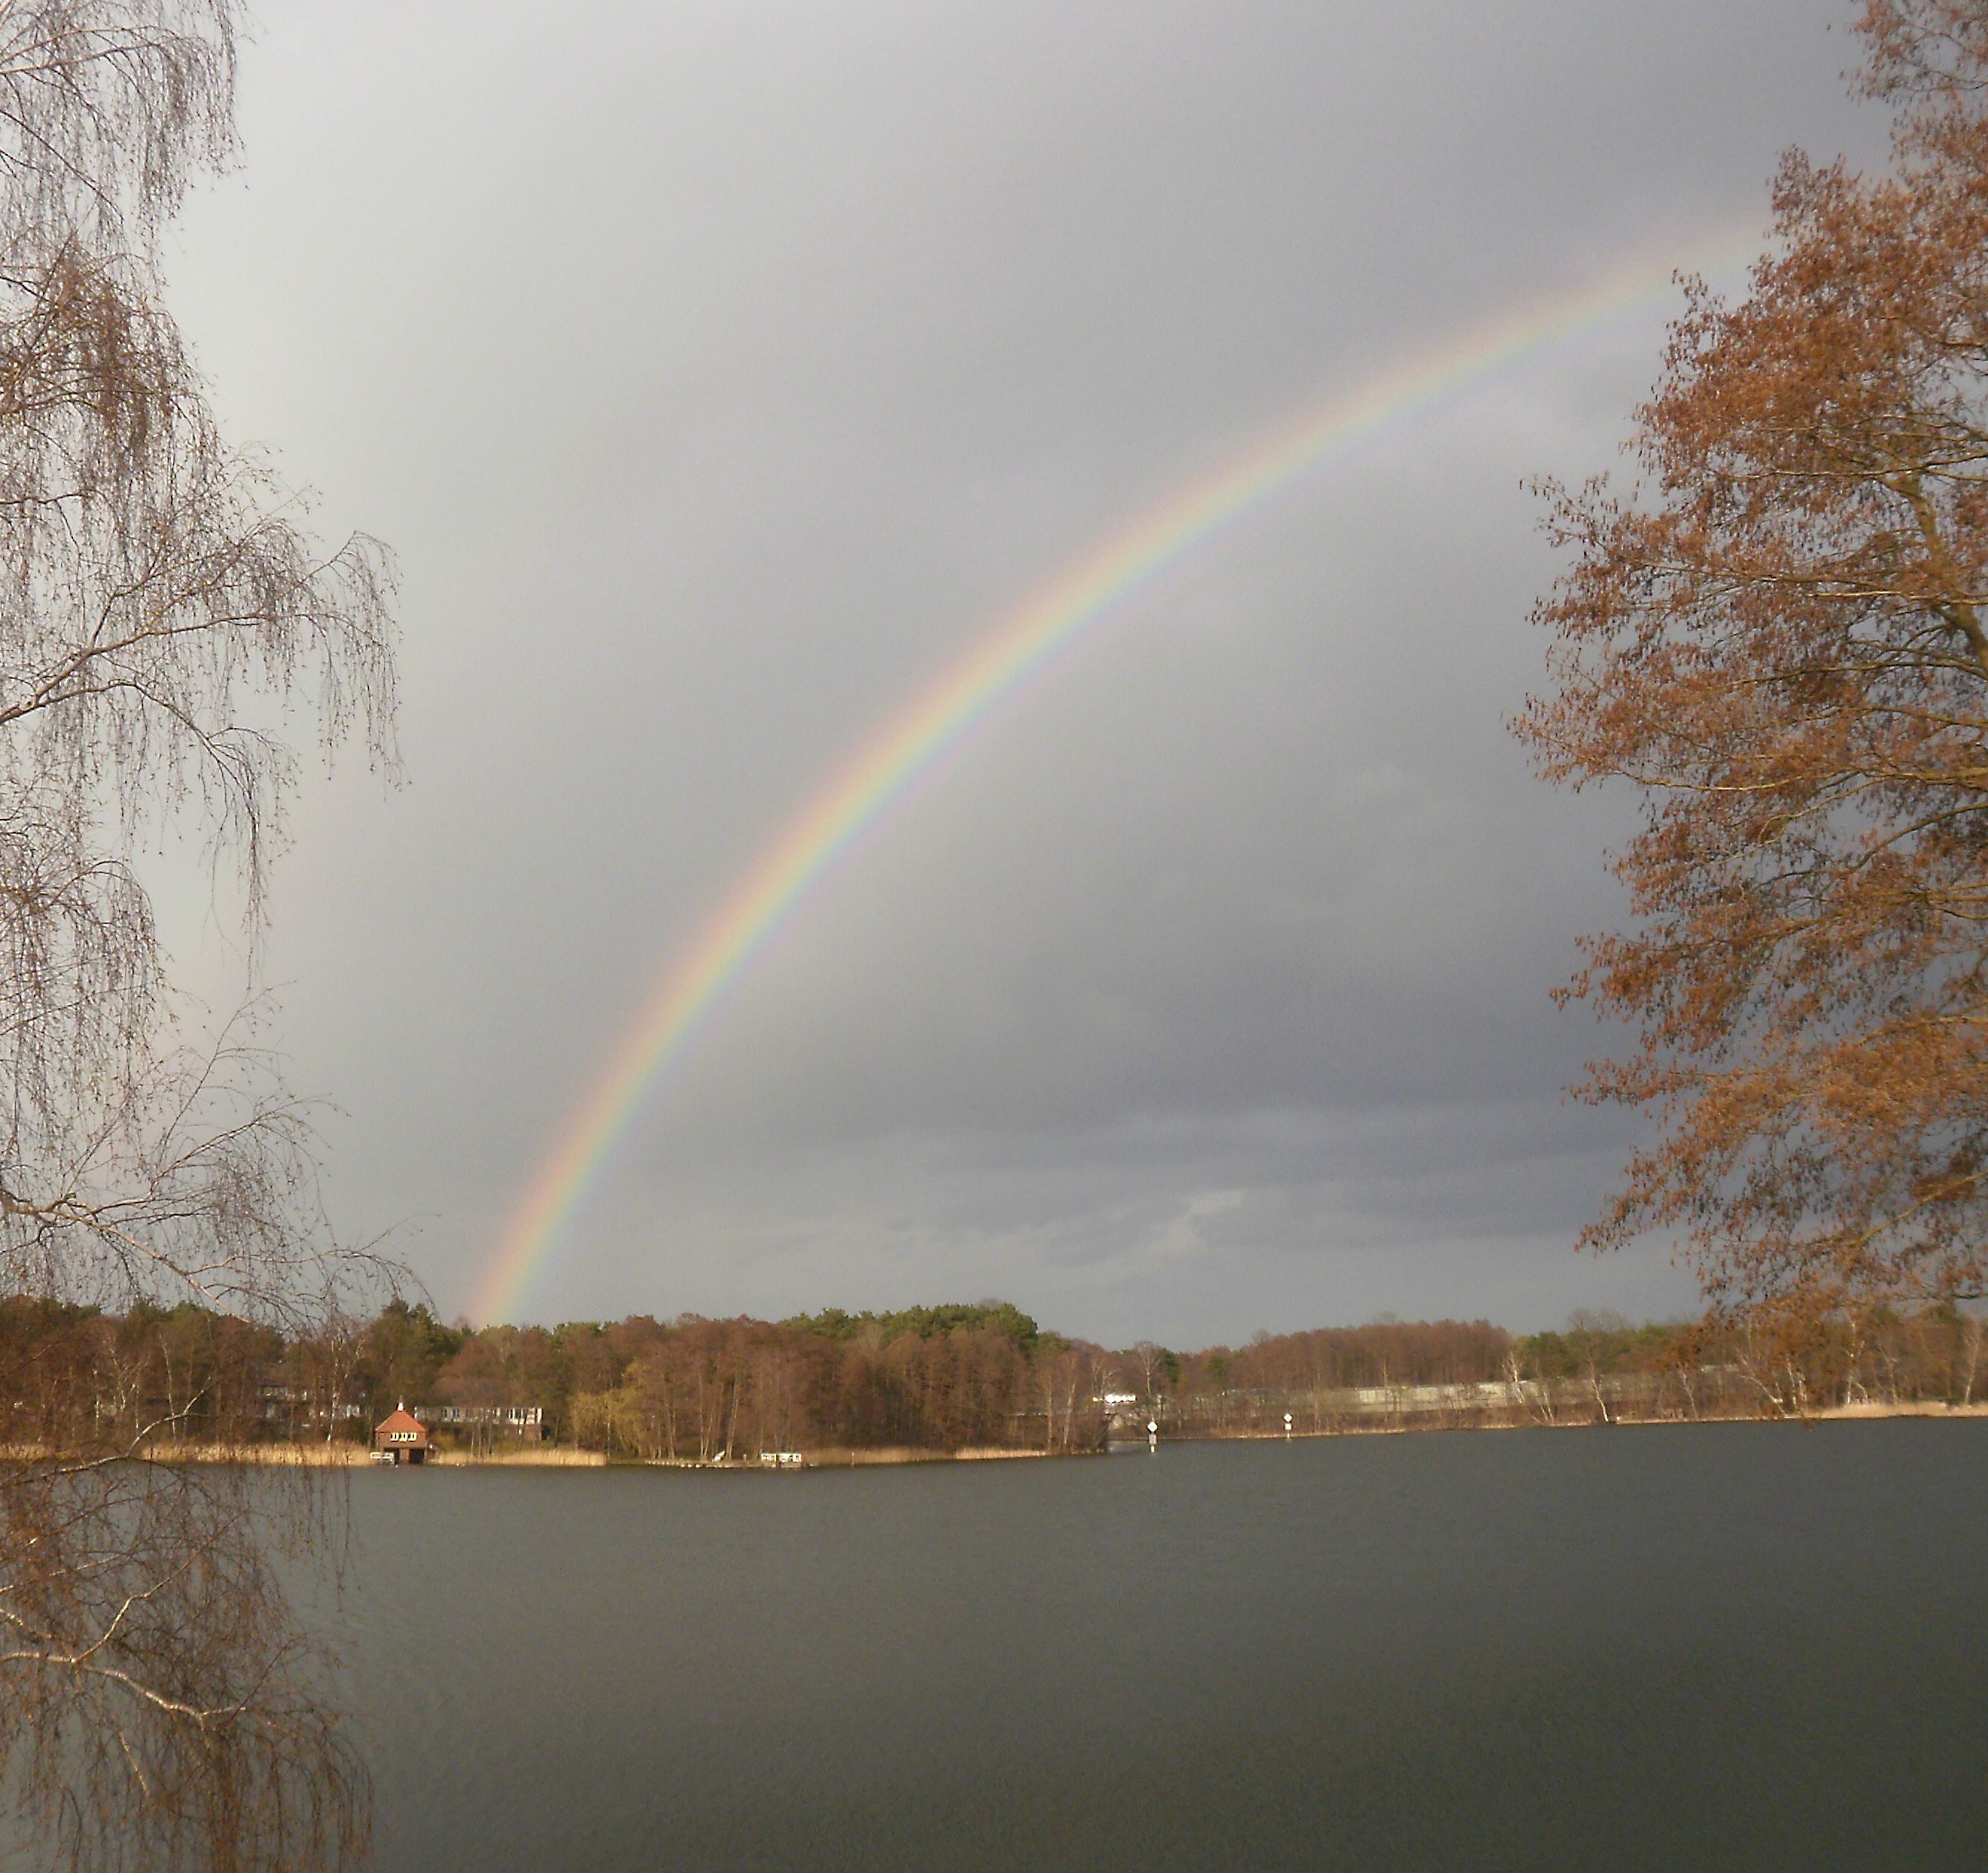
{"x": 545, "y": 1456}
{"x": 1414, "y": 1423}
{"x": 558, "y": 1456}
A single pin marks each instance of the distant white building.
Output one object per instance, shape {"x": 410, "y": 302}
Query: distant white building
{"x": 521, "y": 1418}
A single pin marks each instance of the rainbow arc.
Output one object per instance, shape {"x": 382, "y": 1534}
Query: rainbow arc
{"x": 1112, "y": 576}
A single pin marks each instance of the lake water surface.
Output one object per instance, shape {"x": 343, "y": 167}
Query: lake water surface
{"x": 1719, "y": 1646}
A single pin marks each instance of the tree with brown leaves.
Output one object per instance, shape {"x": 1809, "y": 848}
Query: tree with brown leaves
{"x": 1783, "y": 643}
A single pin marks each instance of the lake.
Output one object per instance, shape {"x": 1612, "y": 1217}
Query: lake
{"x": 1721, "y": 1645}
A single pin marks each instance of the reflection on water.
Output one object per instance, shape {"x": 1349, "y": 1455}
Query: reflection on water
{"x": 1735, "y": 1645}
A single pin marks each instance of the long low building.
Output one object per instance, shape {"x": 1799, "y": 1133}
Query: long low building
{"x": 524, "y": 1420}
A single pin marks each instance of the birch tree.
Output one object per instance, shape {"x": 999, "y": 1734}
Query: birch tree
{"x": 170, "y": 629}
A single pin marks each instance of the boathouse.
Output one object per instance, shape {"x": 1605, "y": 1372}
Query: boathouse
{"x": 400, "y": 1437}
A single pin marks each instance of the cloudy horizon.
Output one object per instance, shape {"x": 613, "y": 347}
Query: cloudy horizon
{"x": 717, "y": 372}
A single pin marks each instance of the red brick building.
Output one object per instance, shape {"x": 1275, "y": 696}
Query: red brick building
{"x": 400, "y": 1437}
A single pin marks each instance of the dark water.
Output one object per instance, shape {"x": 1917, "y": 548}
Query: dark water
{"x": 1725, "y": 1646}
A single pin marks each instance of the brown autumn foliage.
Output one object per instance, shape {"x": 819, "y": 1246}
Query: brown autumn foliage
{"x": 1780, "y": 643}
{"x": 931, "y": 1379}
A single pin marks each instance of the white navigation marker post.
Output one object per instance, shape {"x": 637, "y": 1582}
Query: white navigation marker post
{"x": 1287, "y": 1427}
{"x": 1153, "y": 1433}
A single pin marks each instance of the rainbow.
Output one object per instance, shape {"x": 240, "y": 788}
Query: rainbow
{"x": 1119, "y": 569}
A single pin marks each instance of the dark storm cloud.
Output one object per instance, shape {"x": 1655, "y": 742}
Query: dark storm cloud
{"x": 719, "y": 370}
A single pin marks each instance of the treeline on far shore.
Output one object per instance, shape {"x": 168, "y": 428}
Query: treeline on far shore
{"x": 940, "y": 1378}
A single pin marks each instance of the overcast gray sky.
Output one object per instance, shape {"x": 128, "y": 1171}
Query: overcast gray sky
{"x": 716, "y": 372}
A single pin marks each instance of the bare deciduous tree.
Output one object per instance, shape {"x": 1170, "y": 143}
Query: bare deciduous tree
{"x": 165, "y": 616}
